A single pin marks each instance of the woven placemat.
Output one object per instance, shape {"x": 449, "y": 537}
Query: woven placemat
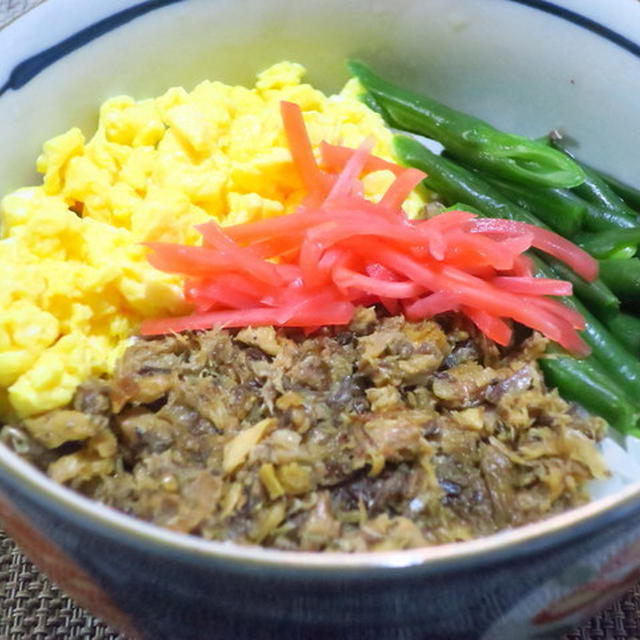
{"x": 31, "y": 608}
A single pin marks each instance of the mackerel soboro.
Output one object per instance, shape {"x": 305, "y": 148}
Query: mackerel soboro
{"x": 383, "y": 435}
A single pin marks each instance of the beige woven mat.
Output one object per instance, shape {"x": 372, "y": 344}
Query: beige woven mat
{"x": 31, "y": 608}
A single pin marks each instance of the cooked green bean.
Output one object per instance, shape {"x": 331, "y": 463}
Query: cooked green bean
{"x": 620, "y": 365}
{"x": 623, "y": 278}
{"x": 561, "y": 209}
{"x": 457, "y": 184}
{"x": 507, "y": 155}
{"x": 597, "y": 218}
{"x": 583, "y": 382}
{"x": 628, "y": 193}
{"x": 609, "y": 244}
{"x": 627, "y": 329}
{"x": 595, "y": 295}
{"x": 595, "y": 189}
{"x": 368, "y": 99}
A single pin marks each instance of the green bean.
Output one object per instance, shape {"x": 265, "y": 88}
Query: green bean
{"x": 589, "y": 381}
{"x": 507, "y": 155}
{"x": 596, "y": 295}
{"x": 628, "y": 193}
{"x": 595, "y": 189}
{"x": 597, "y": 217}
{"x": 456, "y": 184}
{"x": 620, "y": 365}
{"x": 561, "y": 209}
{"x": 583, "y": 382}
{"x": 463, "y": 206}
{"x": 627, "y": 329}
{"x": 368, "y": 99}
{"x": 623, "y": 278}
{"x": 609, "y": 244}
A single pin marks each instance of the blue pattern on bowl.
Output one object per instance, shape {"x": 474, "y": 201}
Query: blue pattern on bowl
{"x": 176, "y": 595}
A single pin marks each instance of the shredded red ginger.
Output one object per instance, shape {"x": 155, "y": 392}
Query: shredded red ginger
{"x": 338, "y": 250}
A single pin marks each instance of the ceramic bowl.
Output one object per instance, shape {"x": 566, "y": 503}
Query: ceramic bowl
{"x": 525, "y": 65}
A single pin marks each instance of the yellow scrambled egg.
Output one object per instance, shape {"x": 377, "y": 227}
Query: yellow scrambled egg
{"x": 75, "y": 280}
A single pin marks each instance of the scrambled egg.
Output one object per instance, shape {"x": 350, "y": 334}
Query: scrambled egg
{"x": 76, "y": 282}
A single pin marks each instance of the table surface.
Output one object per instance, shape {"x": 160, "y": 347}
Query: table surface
{"x": 31, "y": 607}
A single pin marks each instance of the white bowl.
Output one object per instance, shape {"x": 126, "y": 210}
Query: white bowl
{"x": 524, "y": 65}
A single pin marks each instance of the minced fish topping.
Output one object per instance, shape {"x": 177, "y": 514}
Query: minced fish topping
{"x": 386, "y": 434}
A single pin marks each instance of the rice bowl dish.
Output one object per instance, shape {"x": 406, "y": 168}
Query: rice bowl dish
{"x": 255, "y": 458}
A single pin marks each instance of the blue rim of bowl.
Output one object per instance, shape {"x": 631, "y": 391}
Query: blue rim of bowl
{"x": 579, "y": 522}
{"x": 28, "y": 69}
